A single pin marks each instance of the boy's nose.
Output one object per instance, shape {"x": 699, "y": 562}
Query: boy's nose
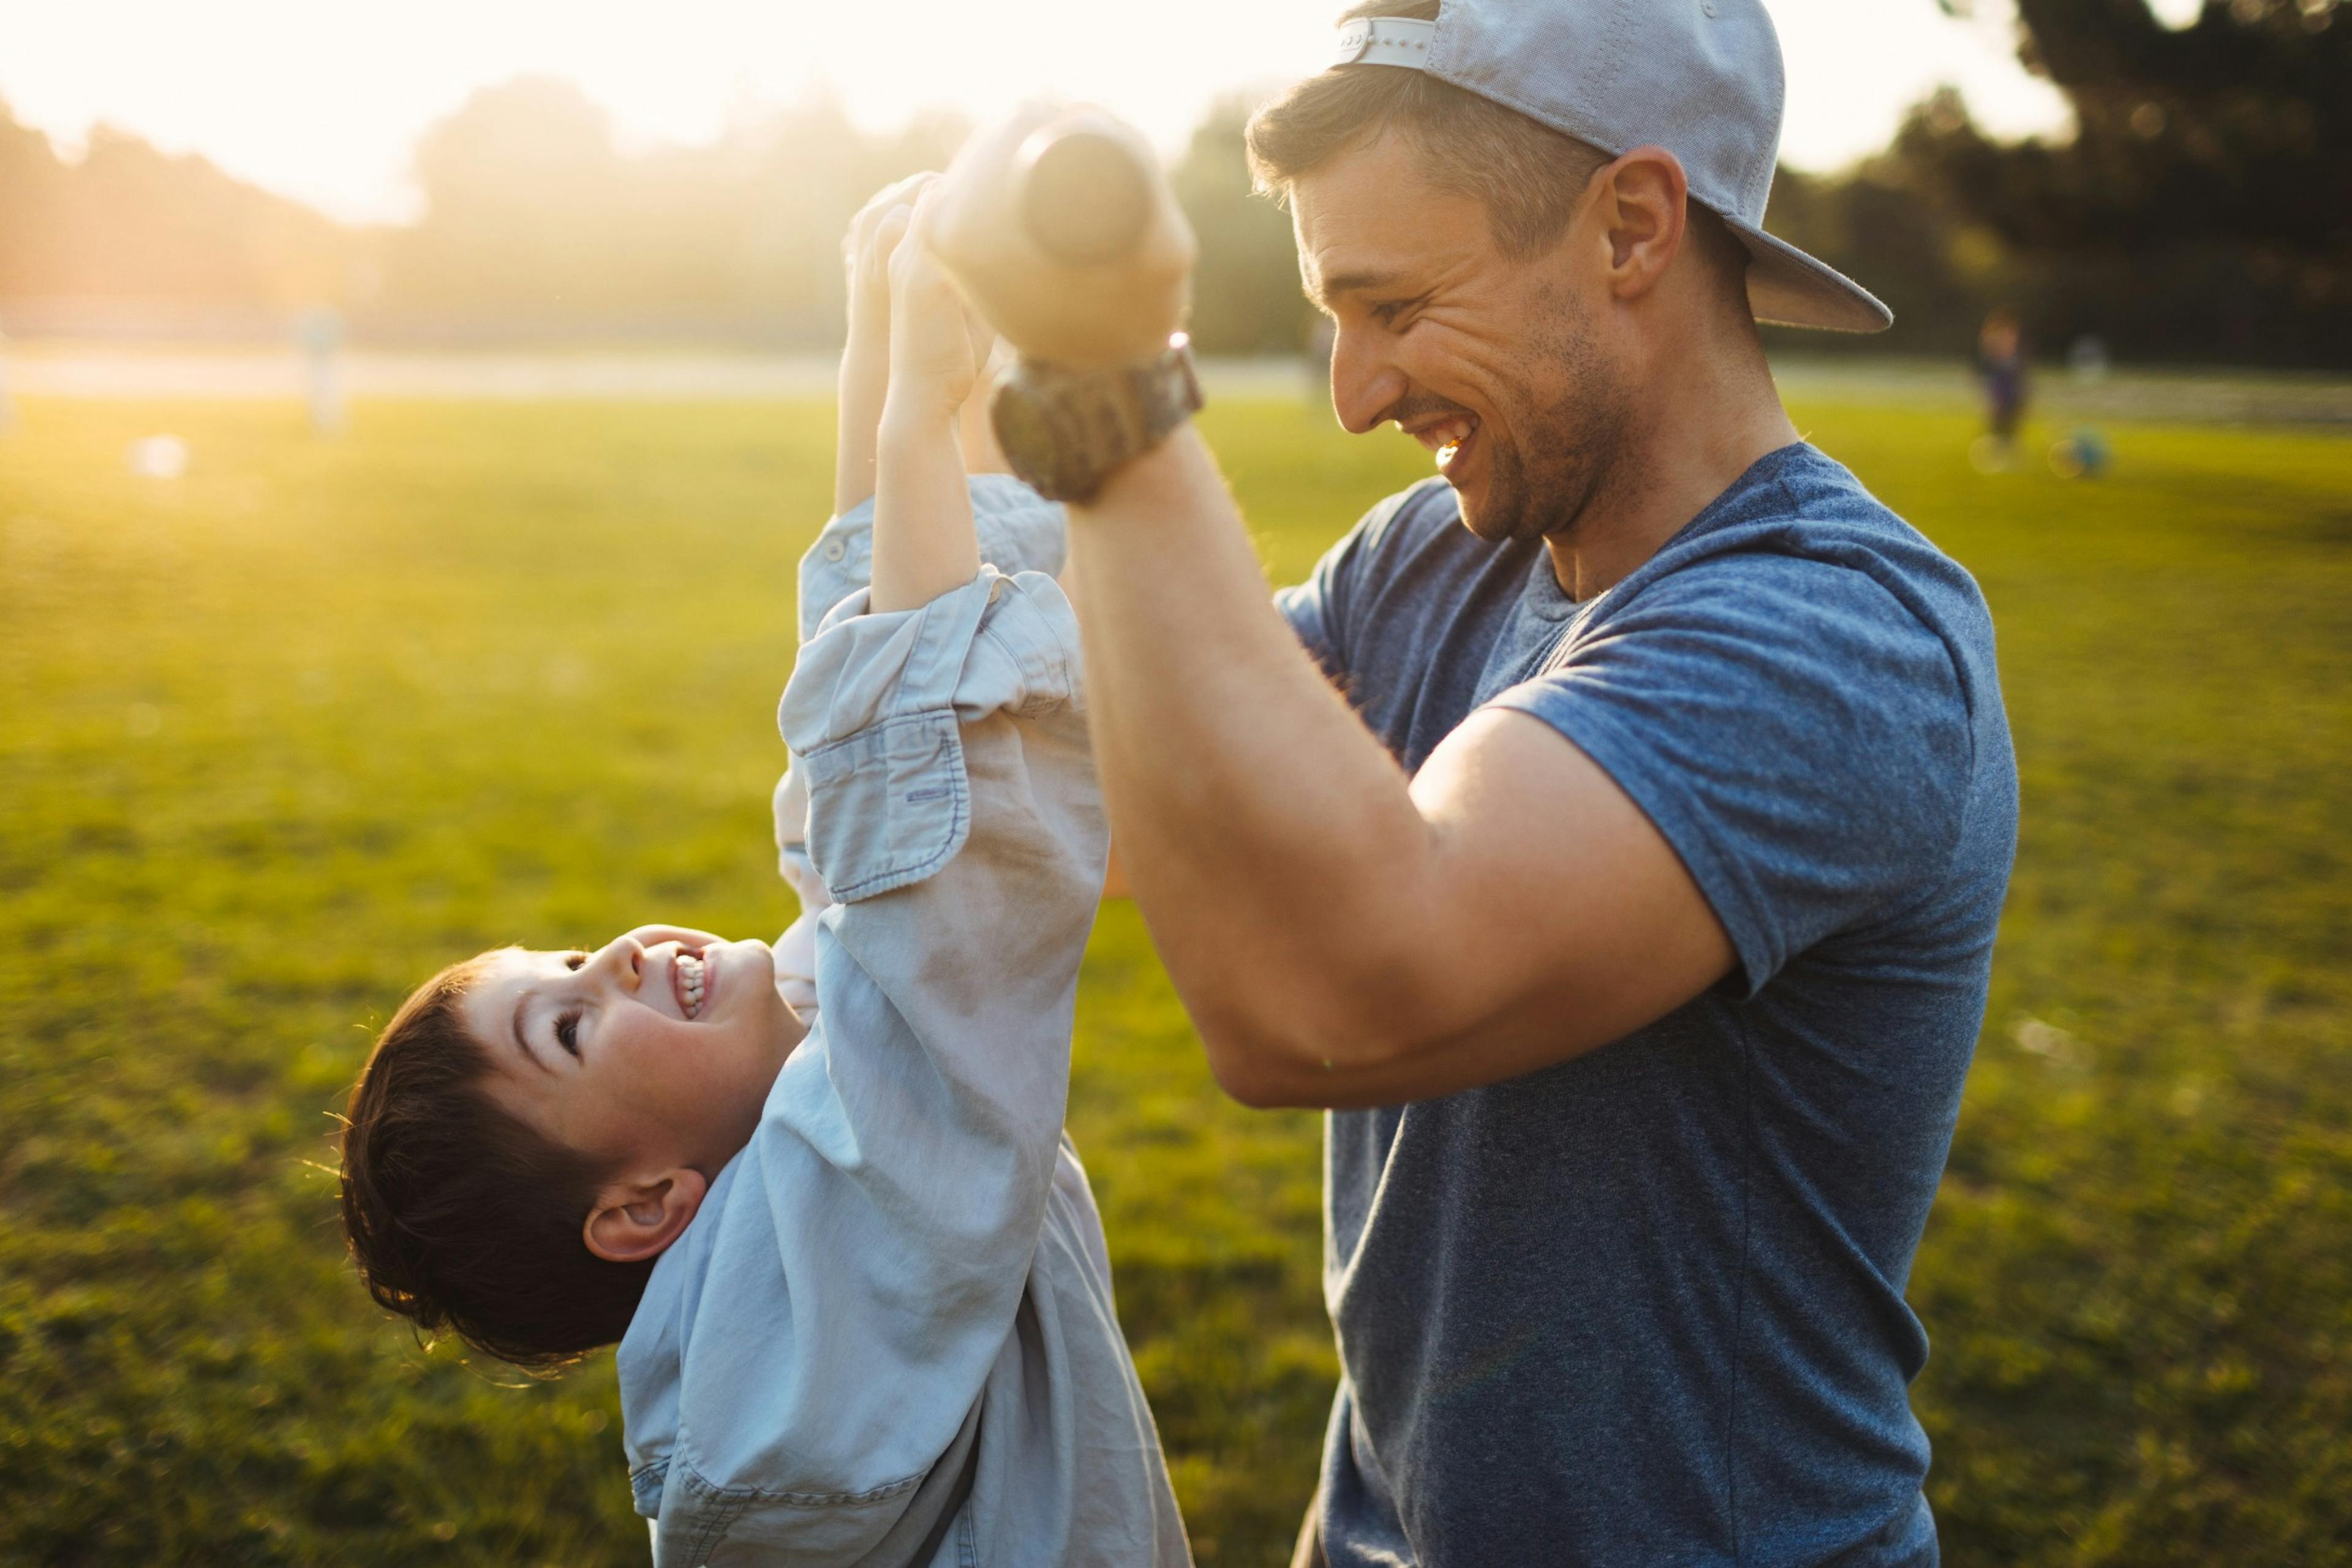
{"x": 622, "y": 961}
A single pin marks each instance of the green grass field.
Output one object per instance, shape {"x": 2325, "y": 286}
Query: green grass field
{"x": 278, "y": 737}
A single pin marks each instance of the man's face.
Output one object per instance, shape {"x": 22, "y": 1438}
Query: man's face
{"x": 657, "y": 1050}
{"x": 1495, "y": 364}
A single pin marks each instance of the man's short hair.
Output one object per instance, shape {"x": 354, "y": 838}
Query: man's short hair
{"x": 461, "y": 1216}
{"x": 1528, "y": 176}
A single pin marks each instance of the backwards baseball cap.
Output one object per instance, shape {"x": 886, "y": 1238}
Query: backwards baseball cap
{"x": 1702, "y": 79}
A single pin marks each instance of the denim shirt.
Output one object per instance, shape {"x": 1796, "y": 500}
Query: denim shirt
{"x": 888, "y": 1335}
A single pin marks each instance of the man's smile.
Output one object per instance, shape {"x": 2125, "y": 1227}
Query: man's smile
{"x": 1449, "y": 438}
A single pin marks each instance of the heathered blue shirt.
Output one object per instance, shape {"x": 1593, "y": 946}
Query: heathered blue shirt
{"x": 1646, "y": 1306}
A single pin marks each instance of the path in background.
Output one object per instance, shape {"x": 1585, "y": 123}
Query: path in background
{"x": 76, "y": 370}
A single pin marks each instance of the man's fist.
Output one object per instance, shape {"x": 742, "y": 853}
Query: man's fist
{"x": 1077, "y": 313}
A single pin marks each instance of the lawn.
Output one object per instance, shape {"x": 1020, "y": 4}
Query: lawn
{"x": 280, "y": 736}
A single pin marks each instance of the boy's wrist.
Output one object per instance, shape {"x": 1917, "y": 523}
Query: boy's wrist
{"x": 908, "y": 420}
{"x": 864, "y": 367}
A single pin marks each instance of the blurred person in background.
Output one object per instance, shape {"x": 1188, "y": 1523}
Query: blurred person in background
{"x": 2001, "y": 368}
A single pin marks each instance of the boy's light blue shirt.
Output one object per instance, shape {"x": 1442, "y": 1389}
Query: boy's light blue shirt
{"x": 888, "y": 1336}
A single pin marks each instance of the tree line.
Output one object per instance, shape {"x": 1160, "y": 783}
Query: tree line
{"x": 2201, "y": 210}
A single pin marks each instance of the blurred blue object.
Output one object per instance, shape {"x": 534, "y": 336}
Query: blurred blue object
{"x": 2082, "y": 454}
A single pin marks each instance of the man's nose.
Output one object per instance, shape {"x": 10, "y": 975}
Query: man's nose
{"x": 1364, "y": 381}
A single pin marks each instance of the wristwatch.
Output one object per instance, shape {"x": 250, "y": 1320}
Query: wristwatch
{"x": 1065, "y": 431}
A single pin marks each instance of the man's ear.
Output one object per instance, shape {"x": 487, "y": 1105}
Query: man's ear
{"x": 635, "y": 1219}
{"x": 1644, "y": 210}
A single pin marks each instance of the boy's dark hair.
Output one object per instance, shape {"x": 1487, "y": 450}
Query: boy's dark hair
{"x": 1526, "y": 176}
{"x": 460, "y": 1215}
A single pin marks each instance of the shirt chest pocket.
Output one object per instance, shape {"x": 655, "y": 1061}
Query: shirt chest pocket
{"x": 890, "y": 804}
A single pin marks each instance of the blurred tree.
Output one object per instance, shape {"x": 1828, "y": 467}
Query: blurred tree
{"x": 1246, "y": 295}
{"x": 32, "y": 193}
{"x": 128, "y": 223}
{"x": 2203, "y": 208}
{"x": 2237, "y": 127}
{"x": 536, "y": 222}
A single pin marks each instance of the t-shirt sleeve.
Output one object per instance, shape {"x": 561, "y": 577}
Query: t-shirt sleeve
{"x": 1799, "y": 737}
{"x": 1318, "y": 609}
{"x": 1314, "y": 608}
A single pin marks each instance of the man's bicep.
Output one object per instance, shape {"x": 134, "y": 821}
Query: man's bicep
{"x": 1564, "y": 919}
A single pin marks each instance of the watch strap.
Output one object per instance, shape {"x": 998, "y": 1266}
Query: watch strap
{"x": 1064, "y": 432}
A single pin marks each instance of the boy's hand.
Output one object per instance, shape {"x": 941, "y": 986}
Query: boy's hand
{"x": 868, "y": 262}
{"x": 865, "y": 360}
{"x": 938, "y": 345}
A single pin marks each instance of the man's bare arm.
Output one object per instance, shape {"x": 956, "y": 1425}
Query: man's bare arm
{"x": 1343, "y": 937}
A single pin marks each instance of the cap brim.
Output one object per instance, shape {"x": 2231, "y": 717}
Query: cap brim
{"x": 1786, "y": 287}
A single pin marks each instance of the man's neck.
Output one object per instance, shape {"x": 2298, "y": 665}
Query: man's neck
{"x": 1706, "y": 419}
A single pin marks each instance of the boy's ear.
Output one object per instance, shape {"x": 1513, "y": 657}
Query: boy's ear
{"x": 635, "y": 1220}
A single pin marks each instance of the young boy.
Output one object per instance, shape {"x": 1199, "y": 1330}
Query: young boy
{"x": 857, "y": 1278}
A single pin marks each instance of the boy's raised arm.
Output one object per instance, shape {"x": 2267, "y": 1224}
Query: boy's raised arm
{"x": 891, "y": 1202}
{"x": 924, "y": 544}
{"x": 864, "y": 376}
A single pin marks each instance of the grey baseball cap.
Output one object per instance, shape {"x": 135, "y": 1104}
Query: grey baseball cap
{"x": 1702, "y": 79}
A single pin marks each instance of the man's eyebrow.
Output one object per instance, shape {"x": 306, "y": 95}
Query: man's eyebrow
{"x": 1355, "y": 283}
{"x": 522, "y": 1044}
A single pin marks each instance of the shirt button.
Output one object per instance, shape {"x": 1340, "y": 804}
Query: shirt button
{"x": 835, "y": 549}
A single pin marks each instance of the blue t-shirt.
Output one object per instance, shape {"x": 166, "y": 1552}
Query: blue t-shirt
{"x": 1646, "y": 1306}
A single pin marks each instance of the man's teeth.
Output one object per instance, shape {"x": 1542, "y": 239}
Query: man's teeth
{"x": 1450, "y": 439}
{"x": 690, "y": 973}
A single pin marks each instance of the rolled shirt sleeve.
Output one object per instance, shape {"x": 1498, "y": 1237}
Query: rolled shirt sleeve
{"x": 1019, "y": 531}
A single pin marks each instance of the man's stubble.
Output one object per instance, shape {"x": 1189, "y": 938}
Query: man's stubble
{"x": 1575, "y": 410}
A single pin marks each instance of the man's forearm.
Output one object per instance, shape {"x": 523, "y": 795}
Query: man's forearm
{"x": 1270, "y": 838}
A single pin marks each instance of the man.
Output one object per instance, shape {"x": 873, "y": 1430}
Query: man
{"x": 1631, "y": 899}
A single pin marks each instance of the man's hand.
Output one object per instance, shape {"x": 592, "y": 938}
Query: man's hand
{"x": 1081, "y": 315}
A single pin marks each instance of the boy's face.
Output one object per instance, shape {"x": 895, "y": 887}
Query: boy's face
{"x": 657, "y": 1050}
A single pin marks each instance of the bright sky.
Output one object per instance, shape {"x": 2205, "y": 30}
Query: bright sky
{"x": 323, "y": 98}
